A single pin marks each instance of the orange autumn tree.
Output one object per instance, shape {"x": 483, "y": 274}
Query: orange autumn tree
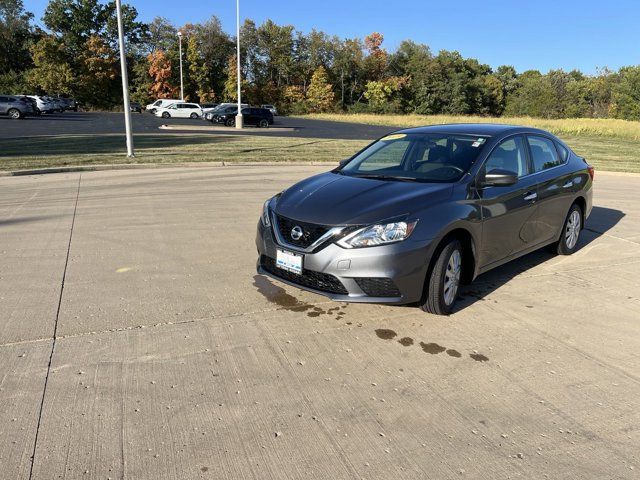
{"x": 160, "y": 72}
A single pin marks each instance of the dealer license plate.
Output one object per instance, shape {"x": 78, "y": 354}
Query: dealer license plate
{"x": 289, "y": 261}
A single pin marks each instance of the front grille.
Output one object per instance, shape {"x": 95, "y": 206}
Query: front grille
{"x": 310, "y": 231}
{"x": 318, "y": 281}
{"x": 378, "y": 287}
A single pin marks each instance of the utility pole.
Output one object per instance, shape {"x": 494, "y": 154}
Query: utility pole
{"x": 180, "y": 50}
{"x": 125, "y": 81}
{"x": 239, "y": 119}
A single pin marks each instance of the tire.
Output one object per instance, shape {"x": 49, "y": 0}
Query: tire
{"x": 443, "y": 281}
{"x": 152, "y": 111}
{"x": 166, "y": 115}
{"x": 264, "y": 123}
{"x": 230, "y": 122}
{"x": 570, "y": 235}
{"x": 193, "y": 115}
{"x": 14, "y": 113}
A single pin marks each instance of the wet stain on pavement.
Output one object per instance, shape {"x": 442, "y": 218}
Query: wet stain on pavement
{"x": 285, "y": 301}
{"x": 478, "y": 357}
{"x": 386, "y": 334}
{"x": 204, "y": 469}
{"x": 432, "y": 348}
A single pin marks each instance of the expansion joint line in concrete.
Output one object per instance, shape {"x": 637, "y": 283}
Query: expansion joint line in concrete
{"x": 55, "y": 331}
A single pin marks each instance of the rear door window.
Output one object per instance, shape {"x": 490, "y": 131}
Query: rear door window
{"x": 543, "y": 153}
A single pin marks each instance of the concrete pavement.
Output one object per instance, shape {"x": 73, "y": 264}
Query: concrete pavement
{"x": 173, "y": 360}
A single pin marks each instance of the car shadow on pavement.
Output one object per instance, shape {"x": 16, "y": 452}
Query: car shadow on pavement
{"x": 600, "y": 221}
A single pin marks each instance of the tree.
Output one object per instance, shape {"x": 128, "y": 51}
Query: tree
{"x": 160, "y": 73}
{"x": 51, "y": 73}
{"x": 320, "y": 97}
{"x": 376, "y": 61}
{"x": 15, "y": 34}
{"x": 380, "y": 92}
{"x": 626, "y": 95}
{"x": 98, "y": 72}
{"x": 231, "y": 83}
{"x": 77, "y": 20}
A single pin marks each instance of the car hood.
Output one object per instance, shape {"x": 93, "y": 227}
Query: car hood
{"x": 333, "y": 199}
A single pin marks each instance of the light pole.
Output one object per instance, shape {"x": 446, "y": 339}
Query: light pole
{"x": 125, "y": 81}
{"x": 180, "y": 50}
{"x": 239, "y": 119}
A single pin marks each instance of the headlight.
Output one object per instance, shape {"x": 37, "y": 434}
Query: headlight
{"x": 266, "y": 221}
{"x": 379, "y": 235}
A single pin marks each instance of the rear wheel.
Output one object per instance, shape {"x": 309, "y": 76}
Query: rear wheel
{"x": 443, "y": 282}
{"x": 570, "y": 235}
{"x": 14, "y": 113}
{"x": 230, "y": 122}
{"x": 264, "y": 123}
{"x": 166, "y": 115}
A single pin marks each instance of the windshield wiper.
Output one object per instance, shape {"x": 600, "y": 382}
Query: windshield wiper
{"x": 389, "y": 177}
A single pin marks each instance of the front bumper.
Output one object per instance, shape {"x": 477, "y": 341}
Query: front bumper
{"x": 400, "y": 268}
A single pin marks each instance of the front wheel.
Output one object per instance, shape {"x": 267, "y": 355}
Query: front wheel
{"x": 14, "y": 113}
{"x": 264, "y": 123}
{"x": 443, "y": 282}
{"x": 570, "y": 235}
{"x": 165, "y": 115}
{"x": 194, "y": 115}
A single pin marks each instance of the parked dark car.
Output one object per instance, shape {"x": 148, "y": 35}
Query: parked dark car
{"x": 260, "y": 117}
{"x": 16, "y": 107}
{"x": 414, "y": 214}
{"x": 135, "y": 107}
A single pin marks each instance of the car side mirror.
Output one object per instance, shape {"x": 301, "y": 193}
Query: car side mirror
{"x": 499, "y": 178}
{"x": 342, "y": 163}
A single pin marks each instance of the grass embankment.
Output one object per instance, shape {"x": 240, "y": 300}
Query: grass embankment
{"x": 608, "y": 144}
{"x": 59, "y": 151}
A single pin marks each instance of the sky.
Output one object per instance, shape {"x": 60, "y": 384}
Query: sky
{"x": 541, "y": 34}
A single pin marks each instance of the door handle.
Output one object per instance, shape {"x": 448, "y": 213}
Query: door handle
{"x": 530, "y": 196}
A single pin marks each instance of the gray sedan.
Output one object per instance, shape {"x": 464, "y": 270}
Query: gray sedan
{"x": 418, "y": 212}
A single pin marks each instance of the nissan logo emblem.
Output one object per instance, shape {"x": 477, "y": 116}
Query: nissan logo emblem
{"x": 296, "y": 232}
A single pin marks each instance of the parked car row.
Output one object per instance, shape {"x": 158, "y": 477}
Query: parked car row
{"x": 223, "y": 113}
{"x": 20, "y": 106}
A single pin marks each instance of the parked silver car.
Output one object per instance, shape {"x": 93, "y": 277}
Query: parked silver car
{"x": 16, "y": 107}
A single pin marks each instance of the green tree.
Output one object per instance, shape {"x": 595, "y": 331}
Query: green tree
{"x": 320, "y": 96}
{"x": 51, "y": 72}
{"x": 626, "y": 94}
{"x": 16, "y": 32}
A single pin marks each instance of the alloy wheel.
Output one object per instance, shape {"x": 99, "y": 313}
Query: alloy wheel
{"x": 452, "y": 277}
{"x": 572, "y": 230}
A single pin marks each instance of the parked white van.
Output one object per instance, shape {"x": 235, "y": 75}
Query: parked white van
{"x": 160, "y": 103}
{"x": 180, "y": 110}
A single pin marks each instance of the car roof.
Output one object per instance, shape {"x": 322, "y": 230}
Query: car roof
{"x": 482, "y": 129}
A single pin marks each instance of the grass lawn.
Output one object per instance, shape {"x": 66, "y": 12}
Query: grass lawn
{"x": 56, "y": 151}
{"x": 612, "y": 145}
{"x": 608, "y": 144}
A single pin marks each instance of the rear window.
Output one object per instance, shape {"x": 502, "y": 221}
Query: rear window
{"x": 543, "y": 153}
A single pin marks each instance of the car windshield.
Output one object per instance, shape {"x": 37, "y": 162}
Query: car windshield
{"x": 420, "y": 157}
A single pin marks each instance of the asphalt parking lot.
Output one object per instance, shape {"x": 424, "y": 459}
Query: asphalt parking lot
{"x": 107, "y": 123}
{"x": 173, "y": 360}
